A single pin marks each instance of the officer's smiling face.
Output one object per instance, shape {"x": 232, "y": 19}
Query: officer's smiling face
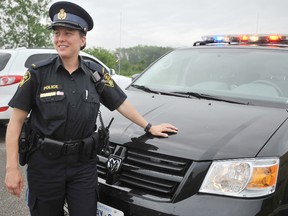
{"x": 68, "y": 42}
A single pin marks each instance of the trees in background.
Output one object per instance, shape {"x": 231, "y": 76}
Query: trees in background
{"x": 23, "y": 23}
{"x": 104, "y": 55}
{"x": 129, "y": 61}
{"x": 135, "y": 59}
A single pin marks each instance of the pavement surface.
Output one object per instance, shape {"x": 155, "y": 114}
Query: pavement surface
{"x": 10, "y": 205}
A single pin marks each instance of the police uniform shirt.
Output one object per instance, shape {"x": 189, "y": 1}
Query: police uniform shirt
{"x": 64, "y": 106}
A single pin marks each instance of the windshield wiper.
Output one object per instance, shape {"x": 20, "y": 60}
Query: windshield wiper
{"x": 144, "y": 88}
{"x": 188, "y": 94}
{"x": 212, "y": 97}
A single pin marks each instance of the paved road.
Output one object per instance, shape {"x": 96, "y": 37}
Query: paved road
{"x": 9, "y": 205}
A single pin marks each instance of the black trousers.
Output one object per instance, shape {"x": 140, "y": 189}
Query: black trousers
{"x": 51, "y": 182}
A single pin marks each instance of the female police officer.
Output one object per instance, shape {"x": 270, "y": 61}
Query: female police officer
{"x": 63, "y": 104}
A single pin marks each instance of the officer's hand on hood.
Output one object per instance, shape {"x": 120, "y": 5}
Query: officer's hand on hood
{"x": 162, "y": 130}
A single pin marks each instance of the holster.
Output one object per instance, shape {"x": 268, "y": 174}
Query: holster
{"x": 24, "y": 145}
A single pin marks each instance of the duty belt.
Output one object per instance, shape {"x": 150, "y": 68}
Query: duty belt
{"x": 53, "y": 149}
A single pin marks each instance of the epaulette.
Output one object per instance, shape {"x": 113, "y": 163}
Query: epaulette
{"x": 42, "y": 63}
{"x": 97, "y": 74}
{"x": 95, "y": 67}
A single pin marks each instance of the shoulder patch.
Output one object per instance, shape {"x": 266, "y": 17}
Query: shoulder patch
{"x": 108, "y": 80}
{"x": 26, "y": 77}
{"x": 42, "y": 63}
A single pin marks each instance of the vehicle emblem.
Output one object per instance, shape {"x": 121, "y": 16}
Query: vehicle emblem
{"x": 114, "y": 163}
{"x": 62, "y": 14}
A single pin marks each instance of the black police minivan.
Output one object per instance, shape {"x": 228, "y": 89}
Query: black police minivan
{"x": 228, "y": 96}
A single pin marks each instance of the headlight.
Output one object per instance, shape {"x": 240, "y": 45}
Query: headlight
{"x": 242, "y": 178}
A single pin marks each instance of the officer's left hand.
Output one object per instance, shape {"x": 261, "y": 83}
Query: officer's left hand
{"x": 162, "y": 130}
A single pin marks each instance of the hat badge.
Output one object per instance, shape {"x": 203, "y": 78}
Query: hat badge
{"x": 62, "y": 14}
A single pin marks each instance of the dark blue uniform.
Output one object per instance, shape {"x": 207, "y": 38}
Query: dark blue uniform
{"x": 63, "y": 107}
{"x": 63, "y": 115}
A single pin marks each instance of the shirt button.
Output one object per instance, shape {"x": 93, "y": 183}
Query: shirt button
{"x": 73, "y": 92}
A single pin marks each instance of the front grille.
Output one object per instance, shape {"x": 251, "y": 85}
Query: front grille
{"x": 148, "y": 172}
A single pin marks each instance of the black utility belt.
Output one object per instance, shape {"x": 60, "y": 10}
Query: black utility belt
{"x": 54, "y": 149}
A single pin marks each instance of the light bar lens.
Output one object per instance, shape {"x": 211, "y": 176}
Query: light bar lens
{"x": 219, "y": 38}
{"x": 254, "y": 38}
{"x": 274, "y": 38}
{"x": 244, "y": 38}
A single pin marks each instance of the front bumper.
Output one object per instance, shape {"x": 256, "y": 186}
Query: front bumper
{"x": 196, "y": 205}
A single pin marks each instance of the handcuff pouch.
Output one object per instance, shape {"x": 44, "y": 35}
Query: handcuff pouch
{"x": 52, "y": 149}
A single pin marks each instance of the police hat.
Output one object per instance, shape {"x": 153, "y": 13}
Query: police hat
{"x": 70, "y": 15}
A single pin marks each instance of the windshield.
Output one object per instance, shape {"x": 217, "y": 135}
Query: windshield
{"x": 243, "y": 73}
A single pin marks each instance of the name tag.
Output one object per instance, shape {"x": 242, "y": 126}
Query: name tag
{"x": 50, "y": 94}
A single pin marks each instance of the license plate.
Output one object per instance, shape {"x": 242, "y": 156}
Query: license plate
{"x": 104, "y": 210}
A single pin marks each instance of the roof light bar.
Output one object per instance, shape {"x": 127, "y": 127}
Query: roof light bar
{"x": 247, "y": 38}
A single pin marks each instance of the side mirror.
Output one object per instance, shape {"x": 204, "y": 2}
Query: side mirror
{"x": 112, "y": 71}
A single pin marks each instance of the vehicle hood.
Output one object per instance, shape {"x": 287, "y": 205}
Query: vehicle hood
{"x": 208, "y": 129}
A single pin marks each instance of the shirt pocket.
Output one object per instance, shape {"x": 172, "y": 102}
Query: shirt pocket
{"x": 53, "y": 107}
{"x": 91, "y": 104}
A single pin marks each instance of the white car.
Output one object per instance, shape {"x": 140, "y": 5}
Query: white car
{"x": 15, "y": 62}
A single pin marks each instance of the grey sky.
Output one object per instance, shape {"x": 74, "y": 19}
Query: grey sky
{"x": 177, "y": 23}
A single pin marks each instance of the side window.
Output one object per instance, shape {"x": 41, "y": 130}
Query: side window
{"x": 4, "y": 58}
{"x": 38, "y": 57}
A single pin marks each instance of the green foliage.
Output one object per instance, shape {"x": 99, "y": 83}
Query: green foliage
{"x": 104, "y": 55}
{"x": 129, "y": 61}
{"x": 23, "y": 23}
{"x": 135, "y": 59}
